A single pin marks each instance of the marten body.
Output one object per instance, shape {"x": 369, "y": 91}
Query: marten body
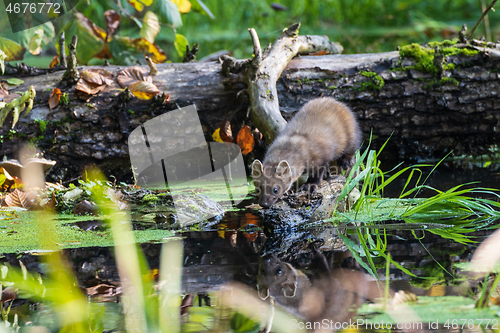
{"x": 331, "y": 298}
{"x": 322, "y": 131}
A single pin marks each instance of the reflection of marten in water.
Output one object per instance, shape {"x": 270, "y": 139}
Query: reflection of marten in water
{"x": 331, "y": 299}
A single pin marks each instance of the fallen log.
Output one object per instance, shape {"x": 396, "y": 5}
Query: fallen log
{"x": 428, "y": 113}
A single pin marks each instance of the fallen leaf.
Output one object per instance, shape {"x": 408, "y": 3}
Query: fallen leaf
{"x": 143, "y": 90}
{"x": 216, "y": 135}
{"x": 320, "y": 53}
{"x": 150, "y": 27}
{"x": 93, "y": 81}
{"x": 8, "y": 294}
{"x": 54, "y": 62}
{"x": 14, "y": 82}
{"x": 3, "y": 92}
{"x": 103, "y": 289}
{"x": 112, "y": 22}
{"x": 18, "y": 199}
{"x": 245, "y": 139}
{"x": 54, "y": 98}
{"x": 131, "y": 75}
{"x": 226, "y": 134}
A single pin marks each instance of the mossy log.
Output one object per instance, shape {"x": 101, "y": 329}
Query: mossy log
{"x": 428, "y": 113}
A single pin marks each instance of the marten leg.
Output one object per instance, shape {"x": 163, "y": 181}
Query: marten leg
{"x": 346, "y": 162}
{"x": 314, "y": 179}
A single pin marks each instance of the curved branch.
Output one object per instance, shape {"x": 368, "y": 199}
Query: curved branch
{"x": 264, "y": 71}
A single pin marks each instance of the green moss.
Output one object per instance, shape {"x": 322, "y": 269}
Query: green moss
{"x": 42, "y": 124}
{"x": 377, "y": 82}
{"x": 424, "y": 57}
{"x": 448, "y": 80}
{"x": 150, "y": 199}
{"x": 64, "y": 99}
{"x": 448, "y": 66}
{"x": 444, "y": 43}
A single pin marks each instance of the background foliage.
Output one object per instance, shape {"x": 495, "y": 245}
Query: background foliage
{"x": 360, "y": 26}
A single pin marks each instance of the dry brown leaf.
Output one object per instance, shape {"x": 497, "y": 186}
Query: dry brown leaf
{"x": 54, "y": 98}
{"x": 3, "y": 92}
{"x": 131, "y": 75}
{"x": 18, "y": 199}
{"x": 245, "y": 139}
{"x": 103, "y": 289}
{"x": 93, "y": 81}
{"x": 226, "y": 134}
{"x": 144, "y": 90}
{"x": 54, "y": 62}
{"x": 8, "y": 294}
{"x": 112, "y": 22}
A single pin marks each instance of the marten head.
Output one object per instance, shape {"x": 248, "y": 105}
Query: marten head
{"x": 271, "y": 181}
{"x": 276, "y": 278}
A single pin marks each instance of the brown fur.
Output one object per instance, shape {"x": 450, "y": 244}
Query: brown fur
{"x": 332, "y": 298}
{"x": 322, "y": 131}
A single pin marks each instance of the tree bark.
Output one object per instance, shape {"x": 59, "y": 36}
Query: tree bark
{"x": 426, "y": 117}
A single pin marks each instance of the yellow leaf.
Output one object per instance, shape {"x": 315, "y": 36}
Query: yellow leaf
{"x": 183, "y": 5}
{"x": 139, "y": 4}
{"x": 216, "y": 136}
{"x": 144, "y": 90}
{"x": 150, "y": 27}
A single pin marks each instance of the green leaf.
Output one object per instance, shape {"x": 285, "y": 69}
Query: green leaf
{"x": 200, "y": 7}
{"x": 242, "y": 324}
{"x": 169, "y": 13}
{"x": 89, "y": 42}
{"x": 35, "y": 42}
{"x": 13, "y": 50}
{"x": 180, "y": 44}
{"x": 14, "y": 82}
{"x": 27, "y": 37}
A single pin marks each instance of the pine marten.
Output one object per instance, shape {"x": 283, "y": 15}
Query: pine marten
{"x": 322, "y": 131}
{"x": 332, "y": 298}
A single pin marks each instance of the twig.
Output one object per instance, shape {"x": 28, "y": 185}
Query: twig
{"x": 62, "y": 51}
{"x": 257, "y": 51}
{"x": 481, "y": 18}
{"x": 487, "y": 29}
{"x": 71, "y": 74}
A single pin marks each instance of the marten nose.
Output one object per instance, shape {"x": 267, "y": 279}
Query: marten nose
{"x": 265, "y": 204}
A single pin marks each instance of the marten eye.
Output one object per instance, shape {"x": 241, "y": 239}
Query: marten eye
{"x": 278, "y": 271}
{"x": 275, "y": 190}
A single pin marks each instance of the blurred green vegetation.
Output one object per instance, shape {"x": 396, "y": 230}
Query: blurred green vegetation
{"x": 360, "y": 26}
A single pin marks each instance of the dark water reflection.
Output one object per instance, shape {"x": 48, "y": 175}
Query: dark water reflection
{"x": 231, "y": 251}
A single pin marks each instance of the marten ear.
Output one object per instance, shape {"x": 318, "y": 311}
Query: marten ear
{"x": 289, "y": 289}
{"x": 283, "y": 170}
{"x": 256, "y": 169}
{"x": 263, "y": 292}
